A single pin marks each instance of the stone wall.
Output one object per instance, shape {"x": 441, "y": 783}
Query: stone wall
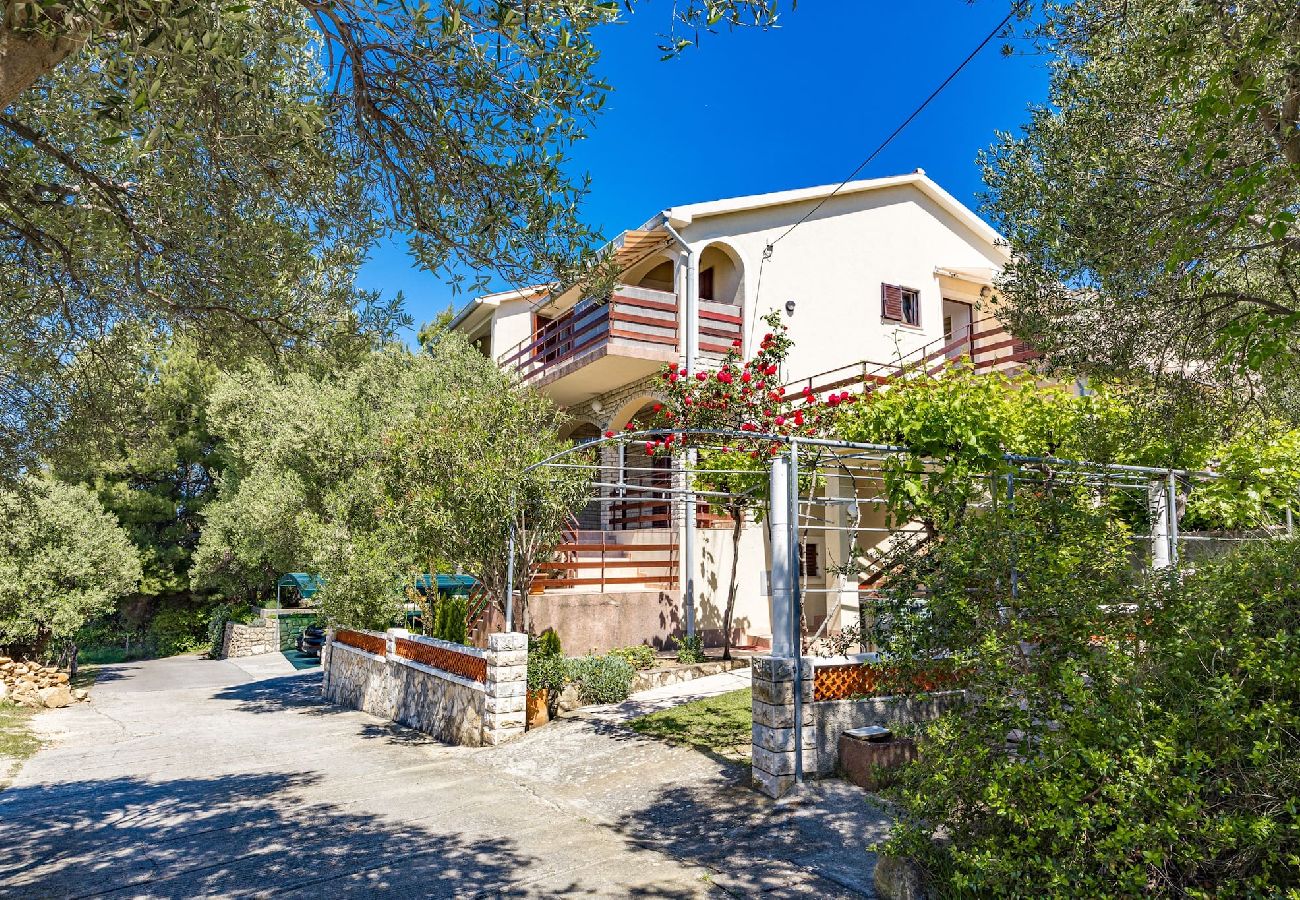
{"x": 450, "y": 707}
{"x": 831, "y": 718}
{"x": 774, "y": 734}
{"x": 250, "y": 640}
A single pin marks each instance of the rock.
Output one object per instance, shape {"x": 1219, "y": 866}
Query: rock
{"x": 4, "y": 691}
{"x": 61, "y": 677}
{"x": 80, "y": 694}
{"x": 898, "y": 879}
{"x": 55, "y": 697}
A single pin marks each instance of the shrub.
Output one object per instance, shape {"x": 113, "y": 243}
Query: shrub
{"x": 546, "y": 643}
{"x": 180, "y": 629}
{"x": 691, "y": 650}
{"x": 450, "y": 619}
{"x": 639, "y": 657}
{"x": 240, "y": 613}
{"x": 547, "y": 672}
{"x": 601, "y": 679}
{"x": 1167, "y": 766}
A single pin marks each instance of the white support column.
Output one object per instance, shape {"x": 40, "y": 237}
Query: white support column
{"x": 778, "y": 519}
{"x": 1158, "y": 500}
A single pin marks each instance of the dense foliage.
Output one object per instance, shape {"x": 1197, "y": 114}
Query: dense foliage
{"x": 405, "y": 464}
{"x": 63, "y": 560}
{"x": 1150, "y": 203}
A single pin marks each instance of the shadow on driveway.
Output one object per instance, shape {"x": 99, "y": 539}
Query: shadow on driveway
{"x": 234, "y": 835}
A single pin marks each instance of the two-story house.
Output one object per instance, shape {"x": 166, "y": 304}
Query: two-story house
{"x": 867, "y": 275}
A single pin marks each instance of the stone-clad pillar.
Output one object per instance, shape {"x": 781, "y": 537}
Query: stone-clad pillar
{"x": 773, "y": 724}
{"x": 506, "y": 687}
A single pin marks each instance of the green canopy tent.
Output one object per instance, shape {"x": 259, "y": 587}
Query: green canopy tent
{"x": 306, "y": 585}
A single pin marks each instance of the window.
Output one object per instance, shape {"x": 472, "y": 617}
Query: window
{"x": 810, "y": 560}
{"x": 706, "y": 284}
{"x": 900, "y": 304}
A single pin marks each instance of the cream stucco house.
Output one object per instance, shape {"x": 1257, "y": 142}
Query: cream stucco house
{"x": 876, "y": 272}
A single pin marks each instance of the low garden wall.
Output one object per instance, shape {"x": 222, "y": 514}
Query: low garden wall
{"x": 250, "y": 640}
{"x": 835, "y": 694}
{"x": 458, "y": 694}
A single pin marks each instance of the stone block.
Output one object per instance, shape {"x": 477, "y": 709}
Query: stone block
{"x": 507, "y": 720}
{"x": 781, "y": 693}
{"x": 508, "y": 640}
{"x": 782, "y": 763}
{"x": 507, "y": 658}
{"x": 774, "y": 786}
{"x": 779, "y": 740}
{"x": 507, "y": 688}
{"x": 494, "y": 736}
{"x": 780, "y": 715}
{"x": 778, "y": 668}
{"x": 55, "y": 697}
{"x": 506, "y": 675}
{"x": 493, "y": 704}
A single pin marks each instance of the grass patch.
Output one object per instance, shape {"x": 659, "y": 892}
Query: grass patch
{"x": 716, "y": 725}
{"x": 17, "y": 742}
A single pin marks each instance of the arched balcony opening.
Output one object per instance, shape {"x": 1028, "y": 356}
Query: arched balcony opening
{"x": 721, "y": 299}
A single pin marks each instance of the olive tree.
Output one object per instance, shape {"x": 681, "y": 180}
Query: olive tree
{"x": 404, "y": 464}
{"x": 1150, "y": 203}
{"x": 63, "y": 561}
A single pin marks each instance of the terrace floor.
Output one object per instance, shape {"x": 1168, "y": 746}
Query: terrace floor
{"x": 188, "y": 777}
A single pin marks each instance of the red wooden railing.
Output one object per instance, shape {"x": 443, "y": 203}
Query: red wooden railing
{"x": 466, "y": 665}
{"x": 636, "y": 315}
{"x": 598, "y": 560}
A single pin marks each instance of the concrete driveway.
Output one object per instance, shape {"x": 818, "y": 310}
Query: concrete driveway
{"x": 187, "y": 777}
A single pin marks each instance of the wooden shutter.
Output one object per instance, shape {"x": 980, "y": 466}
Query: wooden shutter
{"x": 891, "y": 302}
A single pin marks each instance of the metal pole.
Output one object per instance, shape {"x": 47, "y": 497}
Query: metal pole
{"x": 796, "y": 616}
{"x": 688, "y": 548}
{"x": 1290, "y": 526}
{"x": 510, "y": 579}
{"x": 1011, "y": 508}
{"x": 778, "y": 511}
{"x": 1172, "y": 502}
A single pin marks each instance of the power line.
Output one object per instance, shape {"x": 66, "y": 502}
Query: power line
{"x": 899, "y": 130}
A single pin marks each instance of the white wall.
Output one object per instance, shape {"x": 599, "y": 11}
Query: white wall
{"x": 832, "y": 266}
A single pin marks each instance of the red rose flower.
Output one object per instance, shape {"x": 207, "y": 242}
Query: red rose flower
{"x": 609, "y": 434}
{"x": 701, "y": 376}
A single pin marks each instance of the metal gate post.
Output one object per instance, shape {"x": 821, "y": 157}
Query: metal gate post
{"x": 796, "y": 617}
{"x": 1171, "y": 503}
{"x": 510, "y": 579}
{"x": 1011, "y": 508}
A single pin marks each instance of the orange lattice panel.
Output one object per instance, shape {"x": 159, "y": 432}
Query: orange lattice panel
{"x": 843, "y": 682}
{"x": 463, "y": 664}
{"x": 370, "y": 643}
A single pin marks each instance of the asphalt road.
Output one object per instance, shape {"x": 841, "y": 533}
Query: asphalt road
{"x": 188, "y": 777}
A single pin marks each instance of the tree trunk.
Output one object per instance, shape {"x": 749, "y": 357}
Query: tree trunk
{"x": 738, "y": 515}
{"x": 25, "y": 57}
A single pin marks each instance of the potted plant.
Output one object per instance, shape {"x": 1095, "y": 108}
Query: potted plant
{"x": 546, "y": 677}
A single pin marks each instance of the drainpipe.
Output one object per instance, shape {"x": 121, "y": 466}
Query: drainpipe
{"x": 691, "y": 332}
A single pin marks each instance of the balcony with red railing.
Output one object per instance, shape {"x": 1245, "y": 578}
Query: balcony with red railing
{"x": 595, "y": 346}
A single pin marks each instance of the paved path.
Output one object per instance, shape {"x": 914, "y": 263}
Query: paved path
{"x": 187, "y": 777}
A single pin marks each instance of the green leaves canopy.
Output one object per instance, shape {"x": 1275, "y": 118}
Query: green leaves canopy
{"x": 1151, "y": 203}
{"x": 63, "y": 560}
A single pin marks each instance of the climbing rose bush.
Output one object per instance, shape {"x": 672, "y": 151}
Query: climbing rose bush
{"x": 746, "y": 396}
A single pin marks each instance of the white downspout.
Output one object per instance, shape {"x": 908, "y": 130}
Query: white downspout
{"x": 691, "y": 333}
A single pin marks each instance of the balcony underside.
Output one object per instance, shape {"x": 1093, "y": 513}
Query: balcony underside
{"x": 600, "y": 368}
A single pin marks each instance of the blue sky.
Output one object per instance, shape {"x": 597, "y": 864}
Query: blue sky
{"x": 751, "y": 111}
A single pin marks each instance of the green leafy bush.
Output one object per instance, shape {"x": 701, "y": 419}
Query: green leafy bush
{"x": 601, "y": 679}
{"x": 180, "y": 629}
{"x": 691, "y": 650}
{"x": 240, "y": 613}
{"x": 639, "y": 656}
{"x": 547, "y": 643}
{"x": 1148, "y": 743}
{"x": 547, "y": 669}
